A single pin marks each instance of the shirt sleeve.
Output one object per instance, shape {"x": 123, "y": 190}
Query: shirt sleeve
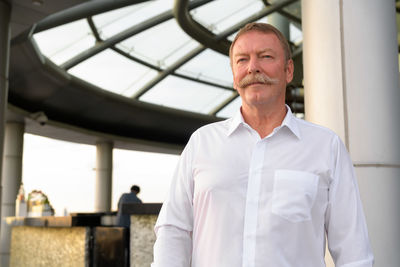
{"x": 173, "y": 247}
{"x": 346, "y": 228}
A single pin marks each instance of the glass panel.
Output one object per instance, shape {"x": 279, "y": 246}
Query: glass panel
{"x": 210, "y": 15}
{"x": 296, "y": 35}
{"x": 64, "y": 42}
{"x": 230, "y": 109}
{"x": 113, "y": 72}
{"x": 232, "y": 36}
{"x": 211, "y": 66}
{"x": 146, "y": 45}
{"x": 187, "y": 95}
{"x": 113, "y": 22}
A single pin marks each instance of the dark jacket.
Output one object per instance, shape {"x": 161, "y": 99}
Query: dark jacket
{"x": 124, "y": 220}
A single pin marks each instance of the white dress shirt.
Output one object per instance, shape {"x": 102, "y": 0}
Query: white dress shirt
{"x": 237, "y": 200}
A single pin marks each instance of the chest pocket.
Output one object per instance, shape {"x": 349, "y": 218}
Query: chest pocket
{"x": 294, "y": 194}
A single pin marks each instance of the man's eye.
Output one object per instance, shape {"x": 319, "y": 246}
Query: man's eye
{"x": 241, "y": 60}
{"x": 267, "y": 56}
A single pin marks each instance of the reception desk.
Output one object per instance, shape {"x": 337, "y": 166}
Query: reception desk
{"x": 84, "y": 239}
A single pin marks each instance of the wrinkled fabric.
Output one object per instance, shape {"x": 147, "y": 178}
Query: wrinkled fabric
{"x": 237, "y": 200}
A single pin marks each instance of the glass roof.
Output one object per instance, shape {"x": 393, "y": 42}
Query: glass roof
{"x": 156, "y": 61}
{"x": 146, "y": 45}
{"x": 230, "y": 109}
{"x": 203, "y": 66}
{"x": 211, "y": 17}
{"x": 192, "y": 96}
{"x": 111, "y": 71}
{"x": 66, "y": 41}
{"x": 110, "y": 23}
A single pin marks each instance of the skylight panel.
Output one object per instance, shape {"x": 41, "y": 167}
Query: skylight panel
{"x": 160, "y": 45}
{"x": 230, "y": 109}
{"x": 116, "y": 21}
{"x": 211, "y": 17}
{"x": 113, "y": 72}
{"x": 210, "y": 66}
{"x": 186, "y": 95}
{"x": 296, "y": 35}
{"x": 62, "y": 43}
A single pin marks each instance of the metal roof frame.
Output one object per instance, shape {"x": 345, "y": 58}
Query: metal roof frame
{"x": 104, "y": 44}
{"x": 37, "y": 84}
{"x": 218, "y": 42}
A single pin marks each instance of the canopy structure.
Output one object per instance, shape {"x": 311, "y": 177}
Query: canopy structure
{"x": 152, "y": 71}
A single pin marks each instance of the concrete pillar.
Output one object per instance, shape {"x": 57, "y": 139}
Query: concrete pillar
{"x": 11, "y": 180}
{"x": 5, "y": 14}
{"x": 351, "y": 77}
{"x": 103, "y": 176}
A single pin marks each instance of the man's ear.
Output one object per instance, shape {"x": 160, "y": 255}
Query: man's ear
{"x": 289, "y": 70}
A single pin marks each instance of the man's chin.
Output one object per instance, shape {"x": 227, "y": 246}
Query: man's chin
{"x": 255, "y": 87}
{"x": 257, "y": 99}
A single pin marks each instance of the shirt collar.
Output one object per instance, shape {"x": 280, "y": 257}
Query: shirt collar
{"x": 235, "y": 121}
{"x": 289, "y": 121}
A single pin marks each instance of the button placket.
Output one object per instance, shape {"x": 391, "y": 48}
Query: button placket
{"x": 252, "y": 199}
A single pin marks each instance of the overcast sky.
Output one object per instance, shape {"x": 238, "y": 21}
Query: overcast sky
{"x": 65, "y": 172}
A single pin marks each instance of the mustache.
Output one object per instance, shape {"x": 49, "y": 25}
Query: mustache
{"x": 256, "y": 78}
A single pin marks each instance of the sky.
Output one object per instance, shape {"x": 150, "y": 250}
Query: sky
{"x": 65, "y": 172}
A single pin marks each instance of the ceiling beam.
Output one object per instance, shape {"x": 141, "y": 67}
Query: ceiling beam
{"x": 101, "y": 46}
{"x": 162, "y": 75}
{"x": 157, "y": 68}
{"x": 218, "y": 42}
{"x": 291, "y": 17}
{"x": 81, "y": 11}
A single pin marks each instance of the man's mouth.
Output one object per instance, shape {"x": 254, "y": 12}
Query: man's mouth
{"x": 255, "y": 79}
{"x": 254, "y": 83}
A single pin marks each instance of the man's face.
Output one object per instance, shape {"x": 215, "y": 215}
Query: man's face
{"x": 260, "y": 70}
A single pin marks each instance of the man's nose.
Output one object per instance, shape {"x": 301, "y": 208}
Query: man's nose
{"x": 253, "y": 66}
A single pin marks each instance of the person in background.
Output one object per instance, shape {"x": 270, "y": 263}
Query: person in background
{"x": 262, "y": 188}
{"x": 124, "y": 220}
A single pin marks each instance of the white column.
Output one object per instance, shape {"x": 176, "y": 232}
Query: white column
{"x": 103, "y": 176}
{"x": 11, "y": 180}
{"x": 5, "y": 14}
{"x": 351, "y": 80}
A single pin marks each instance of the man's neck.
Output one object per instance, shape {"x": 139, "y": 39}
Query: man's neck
{"x": 263, "y": 119}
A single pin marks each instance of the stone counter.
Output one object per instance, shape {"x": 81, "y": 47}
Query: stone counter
{"x": 77, "y": 241}
{"x": 142, "y": 236}
{"x": 85, "y": 239}
{"x": 40, "y": 246}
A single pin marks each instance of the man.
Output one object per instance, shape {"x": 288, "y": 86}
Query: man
{"x": 124, "y": 220}
{"x": 262, "y": 188}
